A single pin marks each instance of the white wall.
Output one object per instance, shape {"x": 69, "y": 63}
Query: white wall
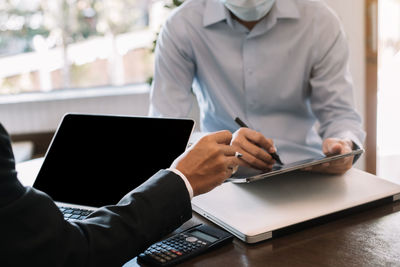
{"x": 351, "y": 13}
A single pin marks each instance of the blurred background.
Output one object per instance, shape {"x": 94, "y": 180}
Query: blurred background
{"x": 57, "y": 44}
{"x": 95, "y": 56}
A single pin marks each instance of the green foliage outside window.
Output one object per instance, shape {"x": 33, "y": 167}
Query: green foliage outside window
{"x": 171, "y": 5}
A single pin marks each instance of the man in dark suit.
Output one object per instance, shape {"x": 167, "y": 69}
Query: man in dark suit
{"x": 33, "y": 231}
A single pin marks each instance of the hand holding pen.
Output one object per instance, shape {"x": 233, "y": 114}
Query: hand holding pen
{"x": 258, "y": 151}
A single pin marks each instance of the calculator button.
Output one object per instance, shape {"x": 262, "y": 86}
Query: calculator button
{"x": 191, "y": 239}
{"x": 159, "y": 259}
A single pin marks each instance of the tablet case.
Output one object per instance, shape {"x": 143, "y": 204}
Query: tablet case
{"x": 248, "y": 175}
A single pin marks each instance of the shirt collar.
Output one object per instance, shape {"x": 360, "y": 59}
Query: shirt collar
{"x": 286, "y": 9}
{"x": 215, "y": 11}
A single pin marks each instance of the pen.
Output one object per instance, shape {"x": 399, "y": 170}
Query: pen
{"x": 273, "y": 155}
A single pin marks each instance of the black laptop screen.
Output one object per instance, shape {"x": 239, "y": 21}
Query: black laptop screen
{"x": 95, "y": 160}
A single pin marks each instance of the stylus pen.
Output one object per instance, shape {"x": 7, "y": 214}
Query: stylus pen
{"x": 273, "y": 155}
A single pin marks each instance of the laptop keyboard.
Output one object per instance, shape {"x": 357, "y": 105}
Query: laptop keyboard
{"x": 74, "y": 213}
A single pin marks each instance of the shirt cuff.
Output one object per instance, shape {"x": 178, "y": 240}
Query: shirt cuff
{"x": 188, "y": 186}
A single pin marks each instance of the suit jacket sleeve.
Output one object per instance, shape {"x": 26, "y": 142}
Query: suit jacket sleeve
{"x": 33, "y": 231}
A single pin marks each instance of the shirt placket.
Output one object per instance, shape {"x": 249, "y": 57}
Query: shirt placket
{"x": 249, "y": 82}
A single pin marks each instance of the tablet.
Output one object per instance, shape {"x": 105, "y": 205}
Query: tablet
{"x": 247, "y": 175}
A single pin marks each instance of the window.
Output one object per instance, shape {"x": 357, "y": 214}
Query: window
{"x": 48, "y": 45}
{"x": 388, "y": 130}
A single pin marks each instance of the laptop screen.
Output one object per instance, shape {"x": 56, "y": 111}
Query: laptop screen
{"x": 94, "y": 160}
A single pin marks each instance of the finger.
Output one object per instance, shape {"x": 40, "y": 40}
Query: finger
{"x": 245, "y": 164}
{"x": 340, "y": 161}
{"x": 228, "y": 150}
{"x": 257, "y": 152}
{"x": 319, "y": 168}
{"x": 260, "y": 140}
{"x": 253, "y": 162}
{"x": 344, "y": 163}
{"x": 332, "y": 146}
{"x": 232, "y": 162}
{"x": 222, "y": 137}
{"x": 335, "y": 148}
{"x": 330, "y": 167}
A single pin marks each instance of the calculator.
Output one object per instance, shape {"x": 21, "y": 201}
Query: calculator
{"x": 184, "y": 246}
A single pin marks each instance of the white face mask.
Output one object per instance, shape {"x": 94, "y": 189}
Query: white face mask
{"x": 249, "y": 10}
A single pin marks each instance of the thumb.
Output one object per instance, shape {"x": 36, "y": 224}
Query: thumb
{"x": 332, "y": 147}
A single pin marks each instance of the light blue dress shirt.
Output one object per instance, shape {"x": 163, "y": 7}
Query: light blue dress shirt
{"x": 287, "y": 78}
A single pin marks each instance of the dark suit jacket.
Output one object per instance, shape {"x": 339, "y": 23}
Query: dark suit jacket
{"x": 33, "y": 232}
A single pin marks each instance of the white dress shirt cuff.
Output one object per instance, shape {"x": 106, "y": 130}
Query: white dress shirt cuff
{"x": 188, "y": 186}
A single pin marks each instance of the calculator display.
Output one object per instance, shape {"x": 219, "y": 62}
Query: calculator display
{"x": 203, "y": 236}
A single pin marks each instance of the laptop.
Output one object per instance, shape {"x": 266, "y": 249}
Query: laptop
{"x": 94, "y": 160}
{"x": 284, "y": 203}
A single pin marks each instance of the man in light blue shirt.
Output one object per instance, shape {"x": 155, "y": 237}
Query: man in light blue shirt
{"x": 280, "y": 65}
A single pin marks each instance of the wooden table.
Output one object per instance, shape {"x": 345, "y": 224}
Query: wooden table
{"x": 368, "y": 238}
